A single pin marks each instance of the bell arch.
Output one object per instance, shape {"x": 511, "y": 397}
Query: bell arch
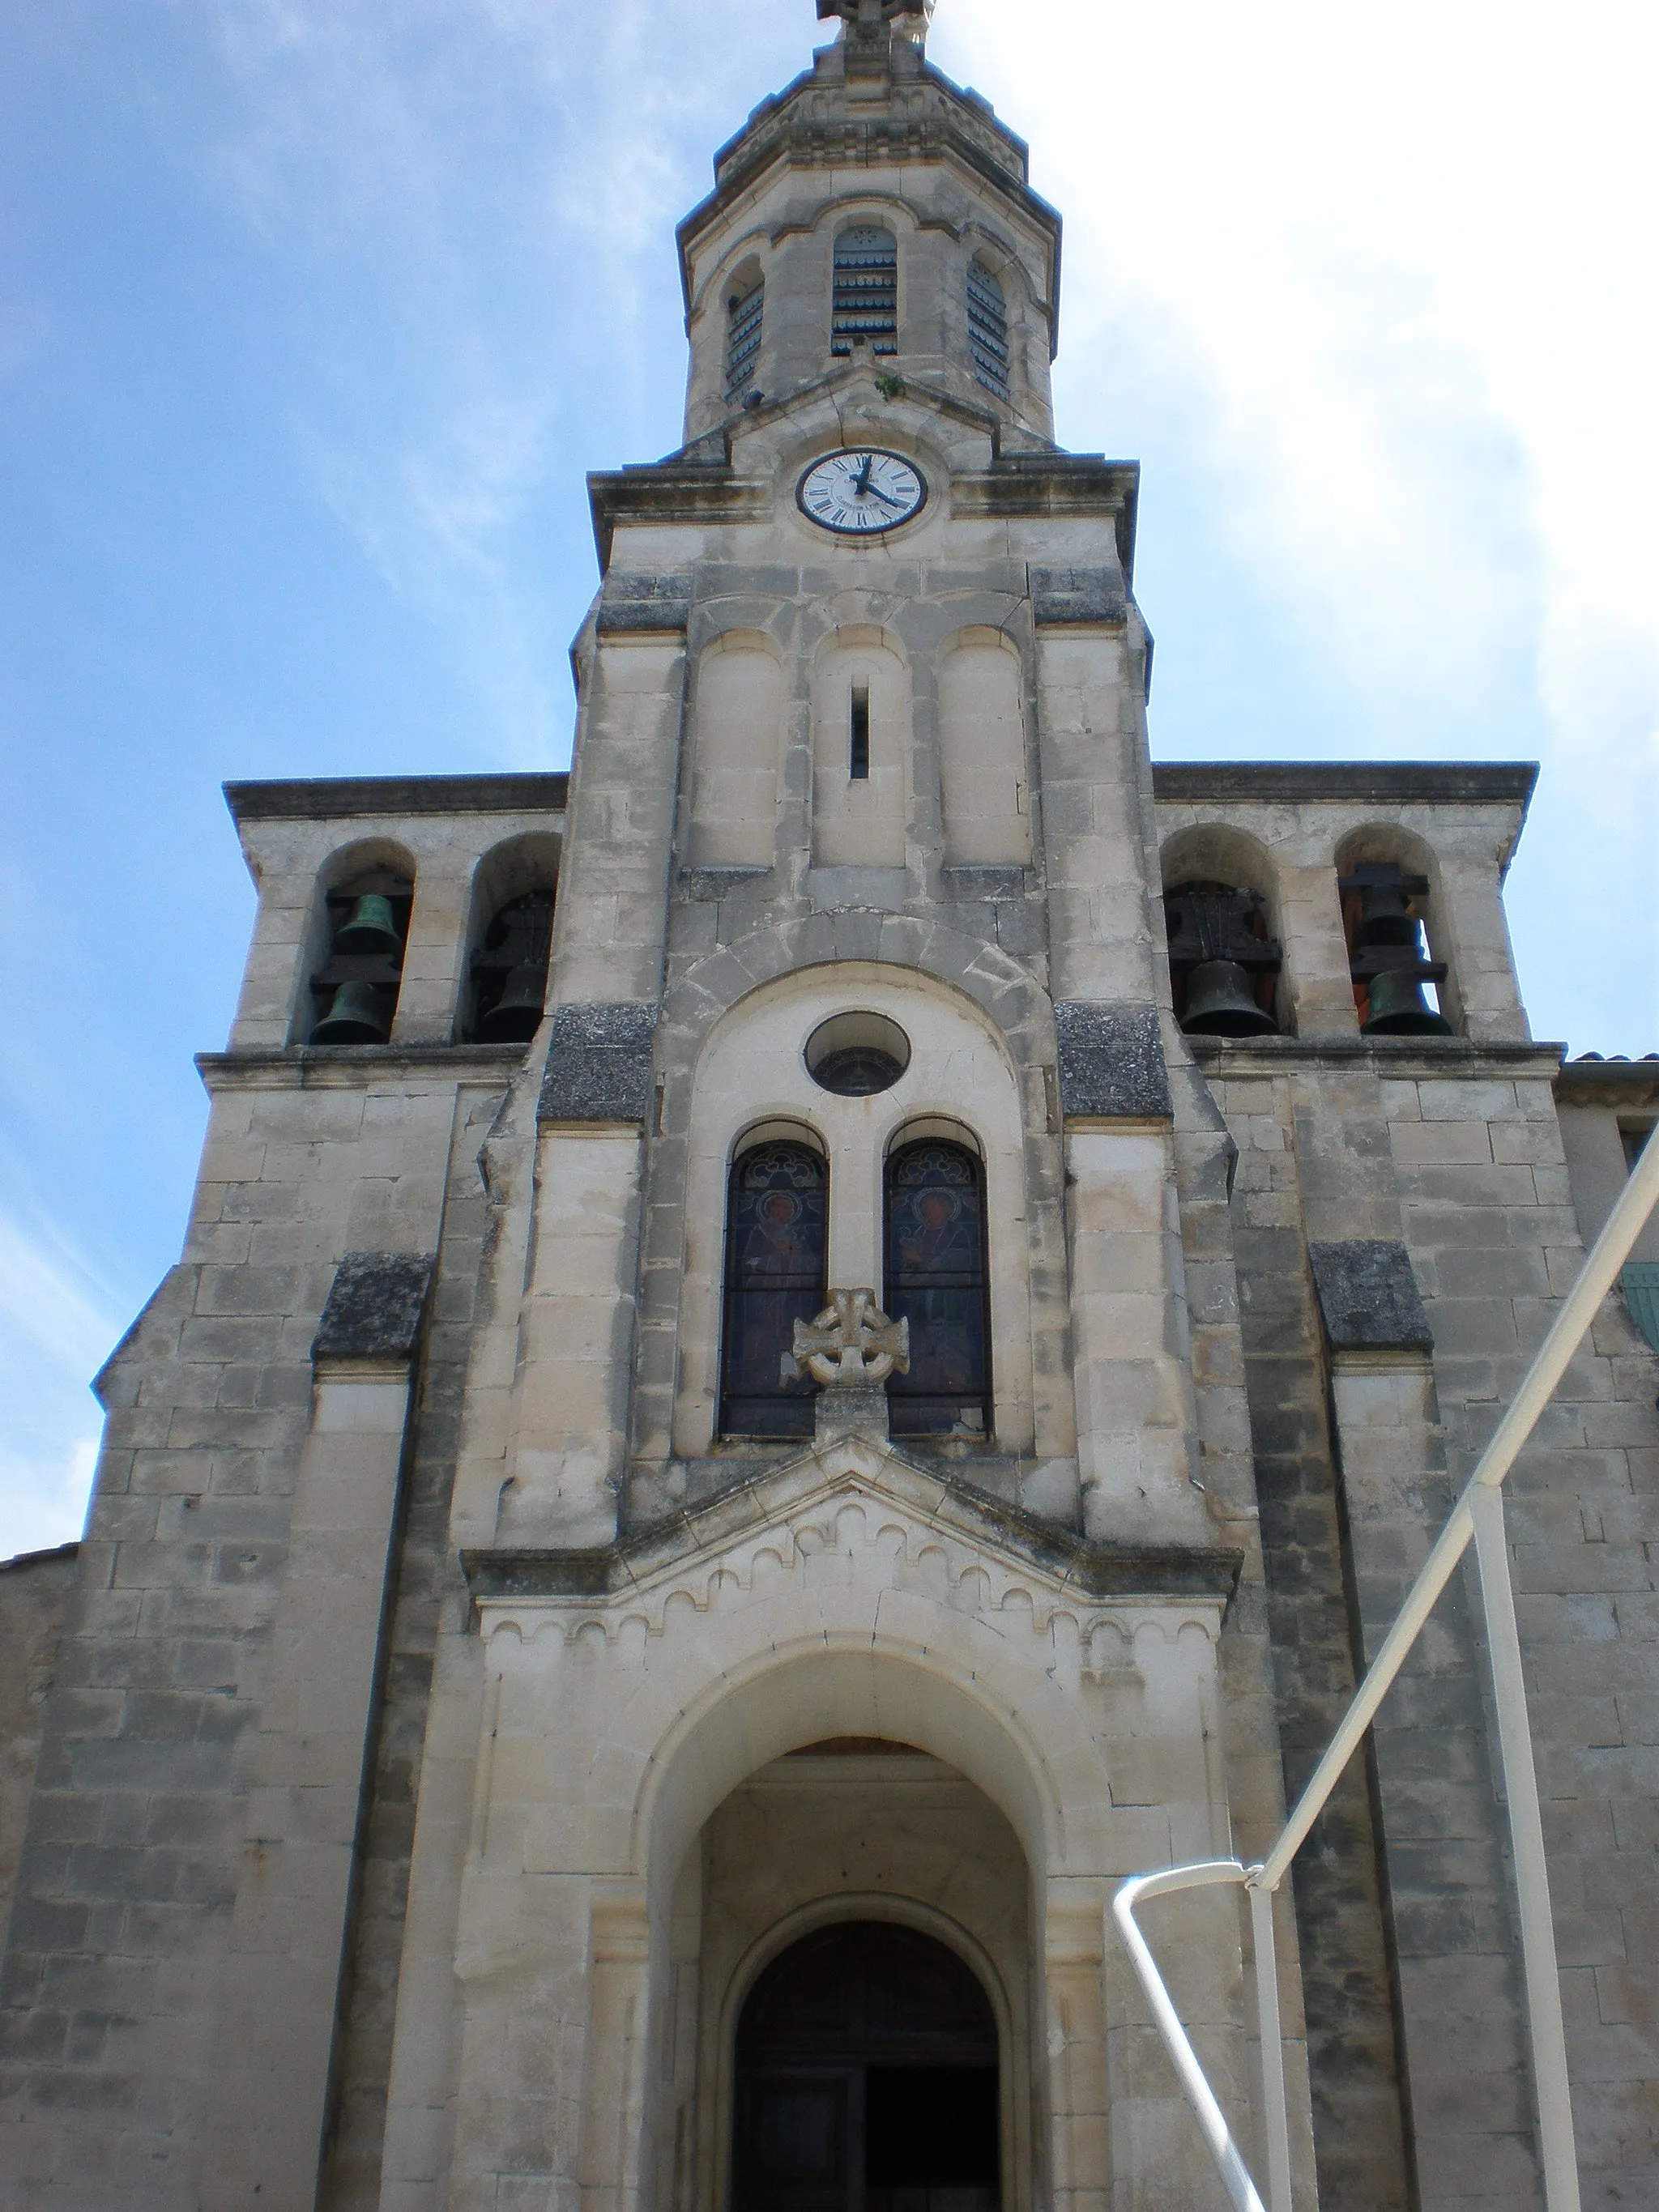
{"x": 508, "y": 935}
{"x": 369, "y": 971}
{"x": 1391, "y": 845}
{"x": 1223, "y": 911}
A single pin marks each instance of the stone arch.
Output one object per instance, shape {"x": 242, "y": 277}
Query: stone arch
{"x": 1393, "y": 841}
{"x": 983, "y": 767}
{"x": 365, "y": 860}
{"x": 1220, "y": 852}
{"x": 738, "y": 711}
{"x": 1028, "y": 310}
{"x": 743, "y": 298}
{"x": 746, "y": 1065}
{"x": 786, "y": 1698}
{"x": 518, "y": 865}
{"x": 842, "y": 1596}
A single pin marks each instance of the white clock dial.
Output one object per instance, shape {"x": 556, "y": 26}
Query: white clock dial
{"x": 861, "y": 492}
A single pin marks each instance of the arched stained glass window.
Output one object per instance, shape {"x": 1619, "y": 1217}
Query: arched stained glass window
{"x": 987, "y": 328}
{"x": 936, "y": 1280}
{"x": 774, "y": 1276}
{"x": 864, "y": 309}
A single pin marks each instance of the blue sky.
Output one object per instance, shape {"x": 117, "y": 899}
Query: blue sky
{"x": 313, "y": 314}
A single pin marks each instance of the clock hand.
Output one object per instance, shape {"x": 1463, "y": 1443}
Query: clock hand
{"x": 862, "y": 484}
{"x": 884, "y": 498}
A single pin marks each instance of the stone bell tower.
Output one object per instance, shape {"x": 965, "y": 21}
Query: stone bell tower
{"x": 800, "y": 1350}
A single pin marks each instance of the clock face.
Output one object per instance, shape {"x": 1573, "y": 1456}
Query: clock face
{"x": 861, "y": 492}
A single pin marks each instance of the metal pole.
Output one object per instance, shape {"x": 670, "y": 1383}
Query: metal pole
{"x": 1532, "y": 1880}
{"x": 1276, "y": 2113}
{"x": 1235, "y": 2174}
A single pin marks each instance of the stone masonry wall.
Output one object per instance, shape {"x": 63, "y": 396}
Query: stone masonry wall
{"x": 429, "y": 1591}
{"x": 1359, "y": 2121}
{"x": 1495, "y": 1244}
{"x": 135, "y": 1848}
{"x": 34, "y": 1595}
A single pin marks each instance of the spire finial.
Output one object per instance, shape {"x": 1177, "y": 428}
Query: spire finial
{"x": 871, "y": 13}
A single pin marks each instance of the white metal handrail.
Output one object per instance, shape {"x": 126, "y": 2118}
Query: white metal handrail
{"x": 1478, "y": 1515}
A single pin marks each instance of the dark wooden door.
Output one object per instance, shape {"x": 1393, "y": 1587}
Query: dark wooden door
{"x": 866, "y": 2079}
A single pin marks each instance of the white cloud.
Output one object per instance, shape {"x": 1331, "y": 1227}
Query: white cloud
{"x": 1391, "y": 276}
{"x": 56, "y": 1328}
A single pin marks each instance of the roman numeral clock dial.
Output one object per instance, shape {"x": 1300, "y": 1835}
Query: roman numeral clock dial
{"x": 861, "y": 492}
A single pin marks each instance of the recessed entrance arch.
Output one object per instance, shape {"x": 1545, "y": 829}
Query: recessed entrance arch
{"x": 866, "y": 2079}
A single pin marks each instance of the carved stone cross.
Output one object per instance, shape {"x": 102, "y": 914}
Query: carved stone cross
{"x": 852, "y": 1340}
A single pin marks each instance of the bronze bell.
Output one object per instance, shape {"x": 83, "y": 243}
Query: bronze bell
{"x": 1385, "y": 917}
{"x": 1399, "y": 1008}
{"x": 516, "y": 1015}
{"x": 370, "y": 928}
{"x": 1221, "y": 1003}
{"x": 358, "y": 1015}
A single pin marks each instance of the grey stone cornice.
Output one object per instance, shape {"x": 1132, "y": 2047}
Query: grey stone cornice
{"x": 673, "y": 491}
{"x": 1439, "y": 1058}
{"x": 1608, "y": 1082}
{"x": 328, "y": 798}
{"x": 353, "y": 1067}
{"x": 60, "y": 1555}
{"x": 1094, "y": 1570}
{"x": 1388, "y": 783}
{"x": 1068, "y": 484}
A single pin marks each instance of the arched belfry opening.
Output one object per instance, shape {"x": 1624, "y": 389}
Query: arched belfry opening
{"x": 866, "y": 2078}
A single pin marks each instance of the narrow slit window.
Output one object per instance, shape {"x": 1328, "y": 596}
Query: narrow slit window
{"x": 857, "y": 766}
{"x": 864, "y": 310}
{"x": 987, "y": 329}
{"x": 743, "y": 339}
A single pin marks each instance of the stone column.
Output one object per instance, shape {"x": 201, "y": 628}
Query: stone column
{"x": 1099, "y": 840}
{"x": 576, "y": 1333}
{"x": 1136, "y": 1414}
{"x": 281, "y": 1974}
{"x": 1460, "y": 2019}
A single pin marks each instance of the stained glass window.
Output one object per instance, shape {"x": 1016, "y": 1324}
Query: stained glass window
{"x": 774, "y": 1276}
{"x": 936, "y": 1279}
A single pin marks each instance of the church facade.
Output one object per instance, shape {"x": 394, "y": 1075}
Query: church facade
{"x": 800, "y": 1350}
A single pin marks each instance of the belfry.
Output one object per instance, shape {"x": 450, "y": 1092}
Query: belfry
{"x": 801, "y": 1351}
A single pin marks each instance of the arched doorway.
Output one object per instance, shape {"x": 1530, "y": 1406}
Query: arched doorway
{"x": 866, "y": 2079}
